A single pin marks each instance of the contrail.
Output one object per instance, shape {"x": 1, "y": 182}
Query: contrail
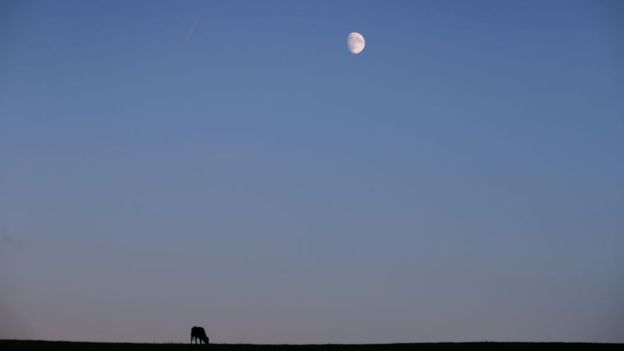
{"x": 193, "y": 28}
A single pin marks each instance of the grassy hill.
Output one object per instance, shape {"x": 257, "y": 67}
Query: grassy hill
{"x": 65, "y": 345}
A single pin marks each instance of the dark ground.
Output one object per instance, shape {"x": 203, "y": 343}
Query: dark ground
{"x": 8, "y": 345}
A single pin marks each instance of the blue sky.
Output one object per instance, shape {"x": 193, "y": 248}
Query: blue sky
{"x": 461, "y": 179}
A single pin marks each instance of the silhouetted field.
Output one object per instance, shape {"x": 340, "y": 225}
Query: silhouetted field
{"x": 65, "y": 345}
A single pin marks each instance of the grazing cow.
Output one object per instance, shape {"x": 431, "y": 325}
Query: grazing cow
{"x": 198, "y": 334}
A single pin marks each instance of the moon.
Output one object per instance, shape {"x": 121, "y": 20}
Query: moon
{"x": 356, "y": 42}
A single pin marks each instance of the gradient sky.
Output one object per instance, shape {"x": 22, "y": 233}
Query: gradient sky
{"x": 461, "y": 179}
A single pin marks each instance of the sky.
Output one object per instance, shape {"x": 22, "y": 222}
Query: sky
{"x": 230, "y": 164}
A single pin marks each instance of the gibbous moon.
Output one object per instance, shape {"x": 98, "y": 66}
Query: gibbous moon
{"x": 356, "y": 42}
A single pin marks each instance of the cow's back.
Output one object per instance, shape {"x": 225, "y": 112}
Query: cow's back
{"x": 198, "y": 332}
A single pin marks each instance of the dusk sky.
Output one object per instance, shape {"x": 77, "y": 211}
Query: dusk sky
{"x": 230, "y": 164}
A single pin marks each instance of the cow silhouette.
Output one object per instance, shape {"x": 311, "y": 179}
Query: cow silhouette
{"x": 198, "y": 334}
